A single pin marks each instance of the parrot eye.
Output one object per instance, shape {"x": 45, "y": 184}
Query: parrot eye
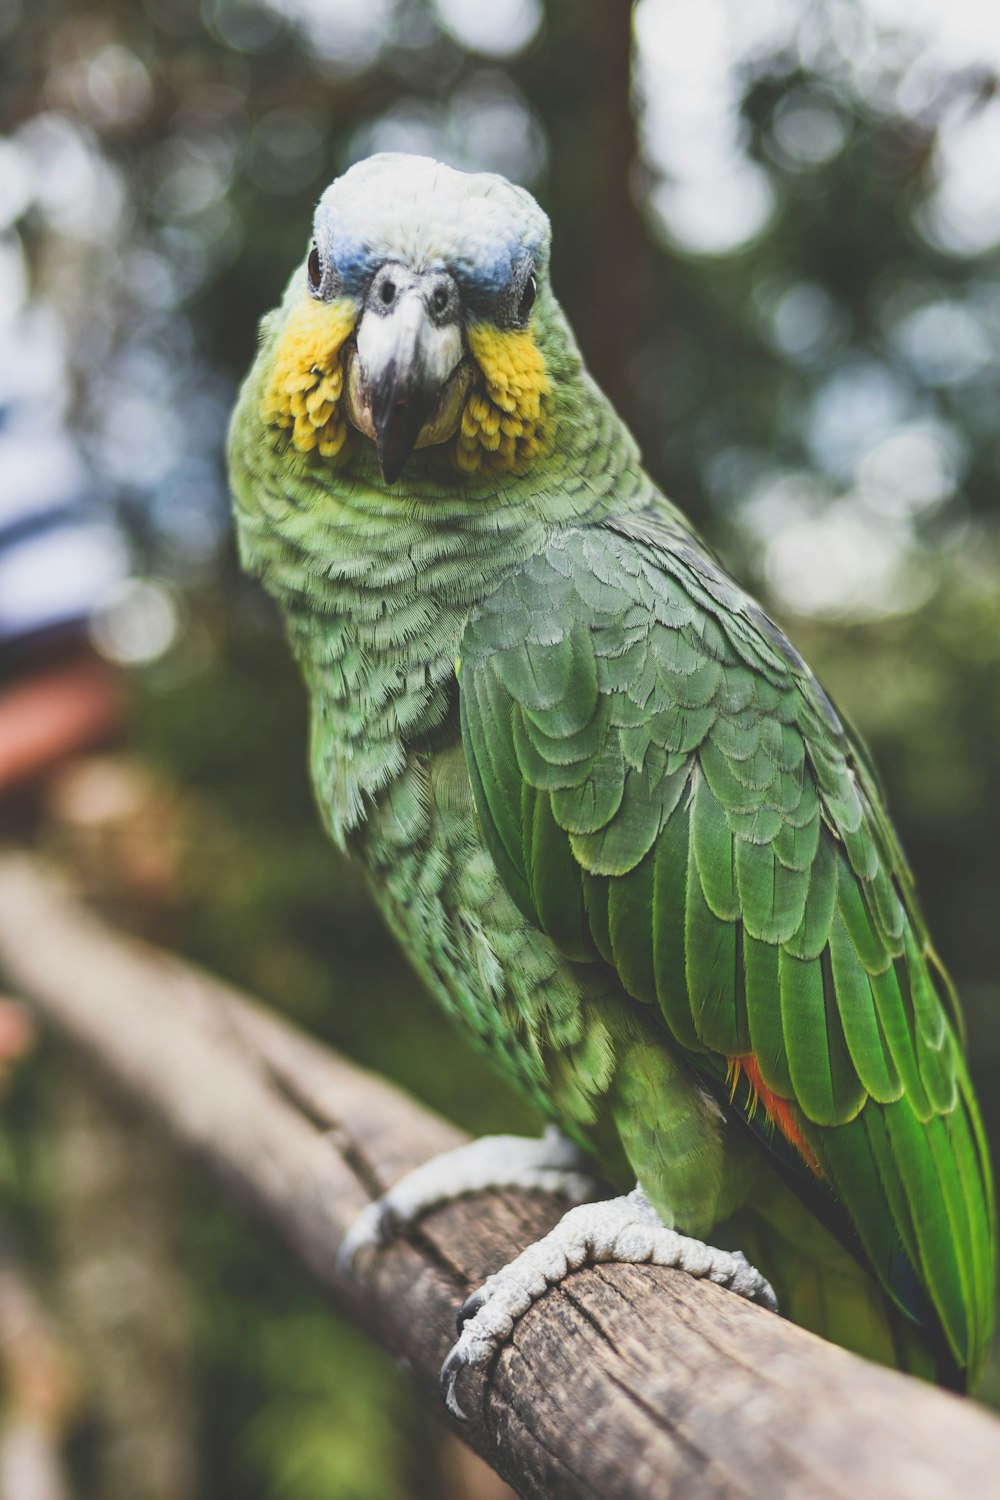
{"x": 314, "y": 269}
{"x": 528, "y": 296}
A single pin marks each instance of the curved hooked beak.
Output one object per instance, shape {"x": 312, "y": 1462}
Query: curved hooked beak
{"x": 409, "y": 344}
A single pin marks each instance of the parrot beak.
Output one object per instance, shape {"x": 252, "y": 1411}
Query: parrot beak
{"x": 404, "y": 392}
{"x": 409, "y": 344}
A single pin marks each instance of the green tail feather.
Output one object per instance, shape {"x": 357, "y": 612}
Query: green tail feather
{"x": 824, "y": 1288}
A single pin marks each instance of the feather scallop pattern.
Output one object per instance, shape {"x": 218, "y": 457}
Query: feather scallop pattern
{"x": 666, "y": 789}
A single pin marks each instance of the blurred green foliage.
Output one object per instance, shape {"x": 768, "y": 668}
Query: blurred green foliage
{"x": 806, "y": 343}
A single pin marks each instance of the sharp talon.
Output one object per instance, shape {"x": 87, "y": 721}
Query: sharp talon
{"x": 755, "y": 1287}
{"x": 767, "y": 1299}
{"x": 473, "y": 1302}
{"x": 450, "y": 1371}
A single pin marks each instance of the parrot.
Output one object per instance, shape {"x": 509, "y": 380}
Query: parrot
{"x": 609, "y": 813}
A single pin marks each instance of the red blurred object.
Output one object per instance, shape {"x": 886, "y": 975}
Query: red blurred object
{"x": 53, "y": 714}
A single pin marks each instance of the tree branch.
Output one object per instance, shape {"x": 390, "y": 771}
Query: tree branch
{"x": 632, "y": 1382}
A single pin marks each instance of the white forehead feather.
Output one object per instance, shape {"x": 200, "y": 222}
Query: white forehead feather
{"x": 418, "y": 210}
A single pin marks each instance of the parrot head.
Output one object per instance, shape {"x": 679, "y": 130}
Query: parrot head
{"x": 417, "y": 321}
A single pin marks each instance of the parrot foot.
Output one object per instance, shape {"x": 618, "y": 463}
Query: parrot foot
{"x": 626, "y": 1229}
{"x": 552, "y": 1164}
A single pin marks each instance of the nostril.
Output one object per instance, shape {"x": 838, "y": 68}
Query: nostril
{"x": 387, "y": 291}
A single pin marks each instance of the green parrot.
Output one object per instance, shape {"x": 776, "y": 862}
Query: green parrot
{"x": 602, "y": 802}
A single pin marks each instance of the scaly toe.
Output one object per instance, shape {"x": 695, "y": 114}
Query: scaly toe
{"x": 623, "y": 1229}
{"x": 370, "y": 1231}
{"x": 551, "y": 1164}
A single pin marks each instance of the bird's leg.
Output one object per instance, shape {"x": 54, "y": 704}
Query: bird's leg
{"x": 626, "y": 1229}
{"x": 551, "y": 1164}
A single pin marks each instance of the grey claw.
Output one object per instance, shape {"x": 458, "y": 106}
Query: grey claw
{"x": 450, "y": 1371}
{"x": 473, "y": 1302}
{"x": 768, "y": 1300}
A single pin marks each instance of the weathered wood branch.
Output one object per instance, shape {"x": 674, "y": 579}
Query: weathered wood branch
{"x": 627, "y": 1382}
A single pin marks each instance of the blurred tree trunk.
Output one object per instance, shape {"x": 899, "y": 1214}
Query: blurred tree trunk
{"x": 580, "y": 81}
{"x": 617, "y": 288}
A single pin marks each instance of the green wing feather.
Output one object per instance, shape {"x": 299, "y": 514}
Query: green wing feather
{"x": 666, "y": 788}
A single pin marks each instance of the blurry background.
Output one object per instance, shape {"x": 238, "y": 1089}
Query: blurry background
{"x": 777, "y": 233}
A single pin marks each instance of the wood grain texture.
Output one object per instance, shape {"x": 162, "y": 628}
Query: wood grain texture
{"x": 626, "y": 1382}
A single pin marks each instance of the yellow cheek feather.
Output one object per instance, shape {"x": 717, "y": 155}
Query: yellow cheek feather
{"x": 505, "y": 424}
{"x": 306, "y": 389}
